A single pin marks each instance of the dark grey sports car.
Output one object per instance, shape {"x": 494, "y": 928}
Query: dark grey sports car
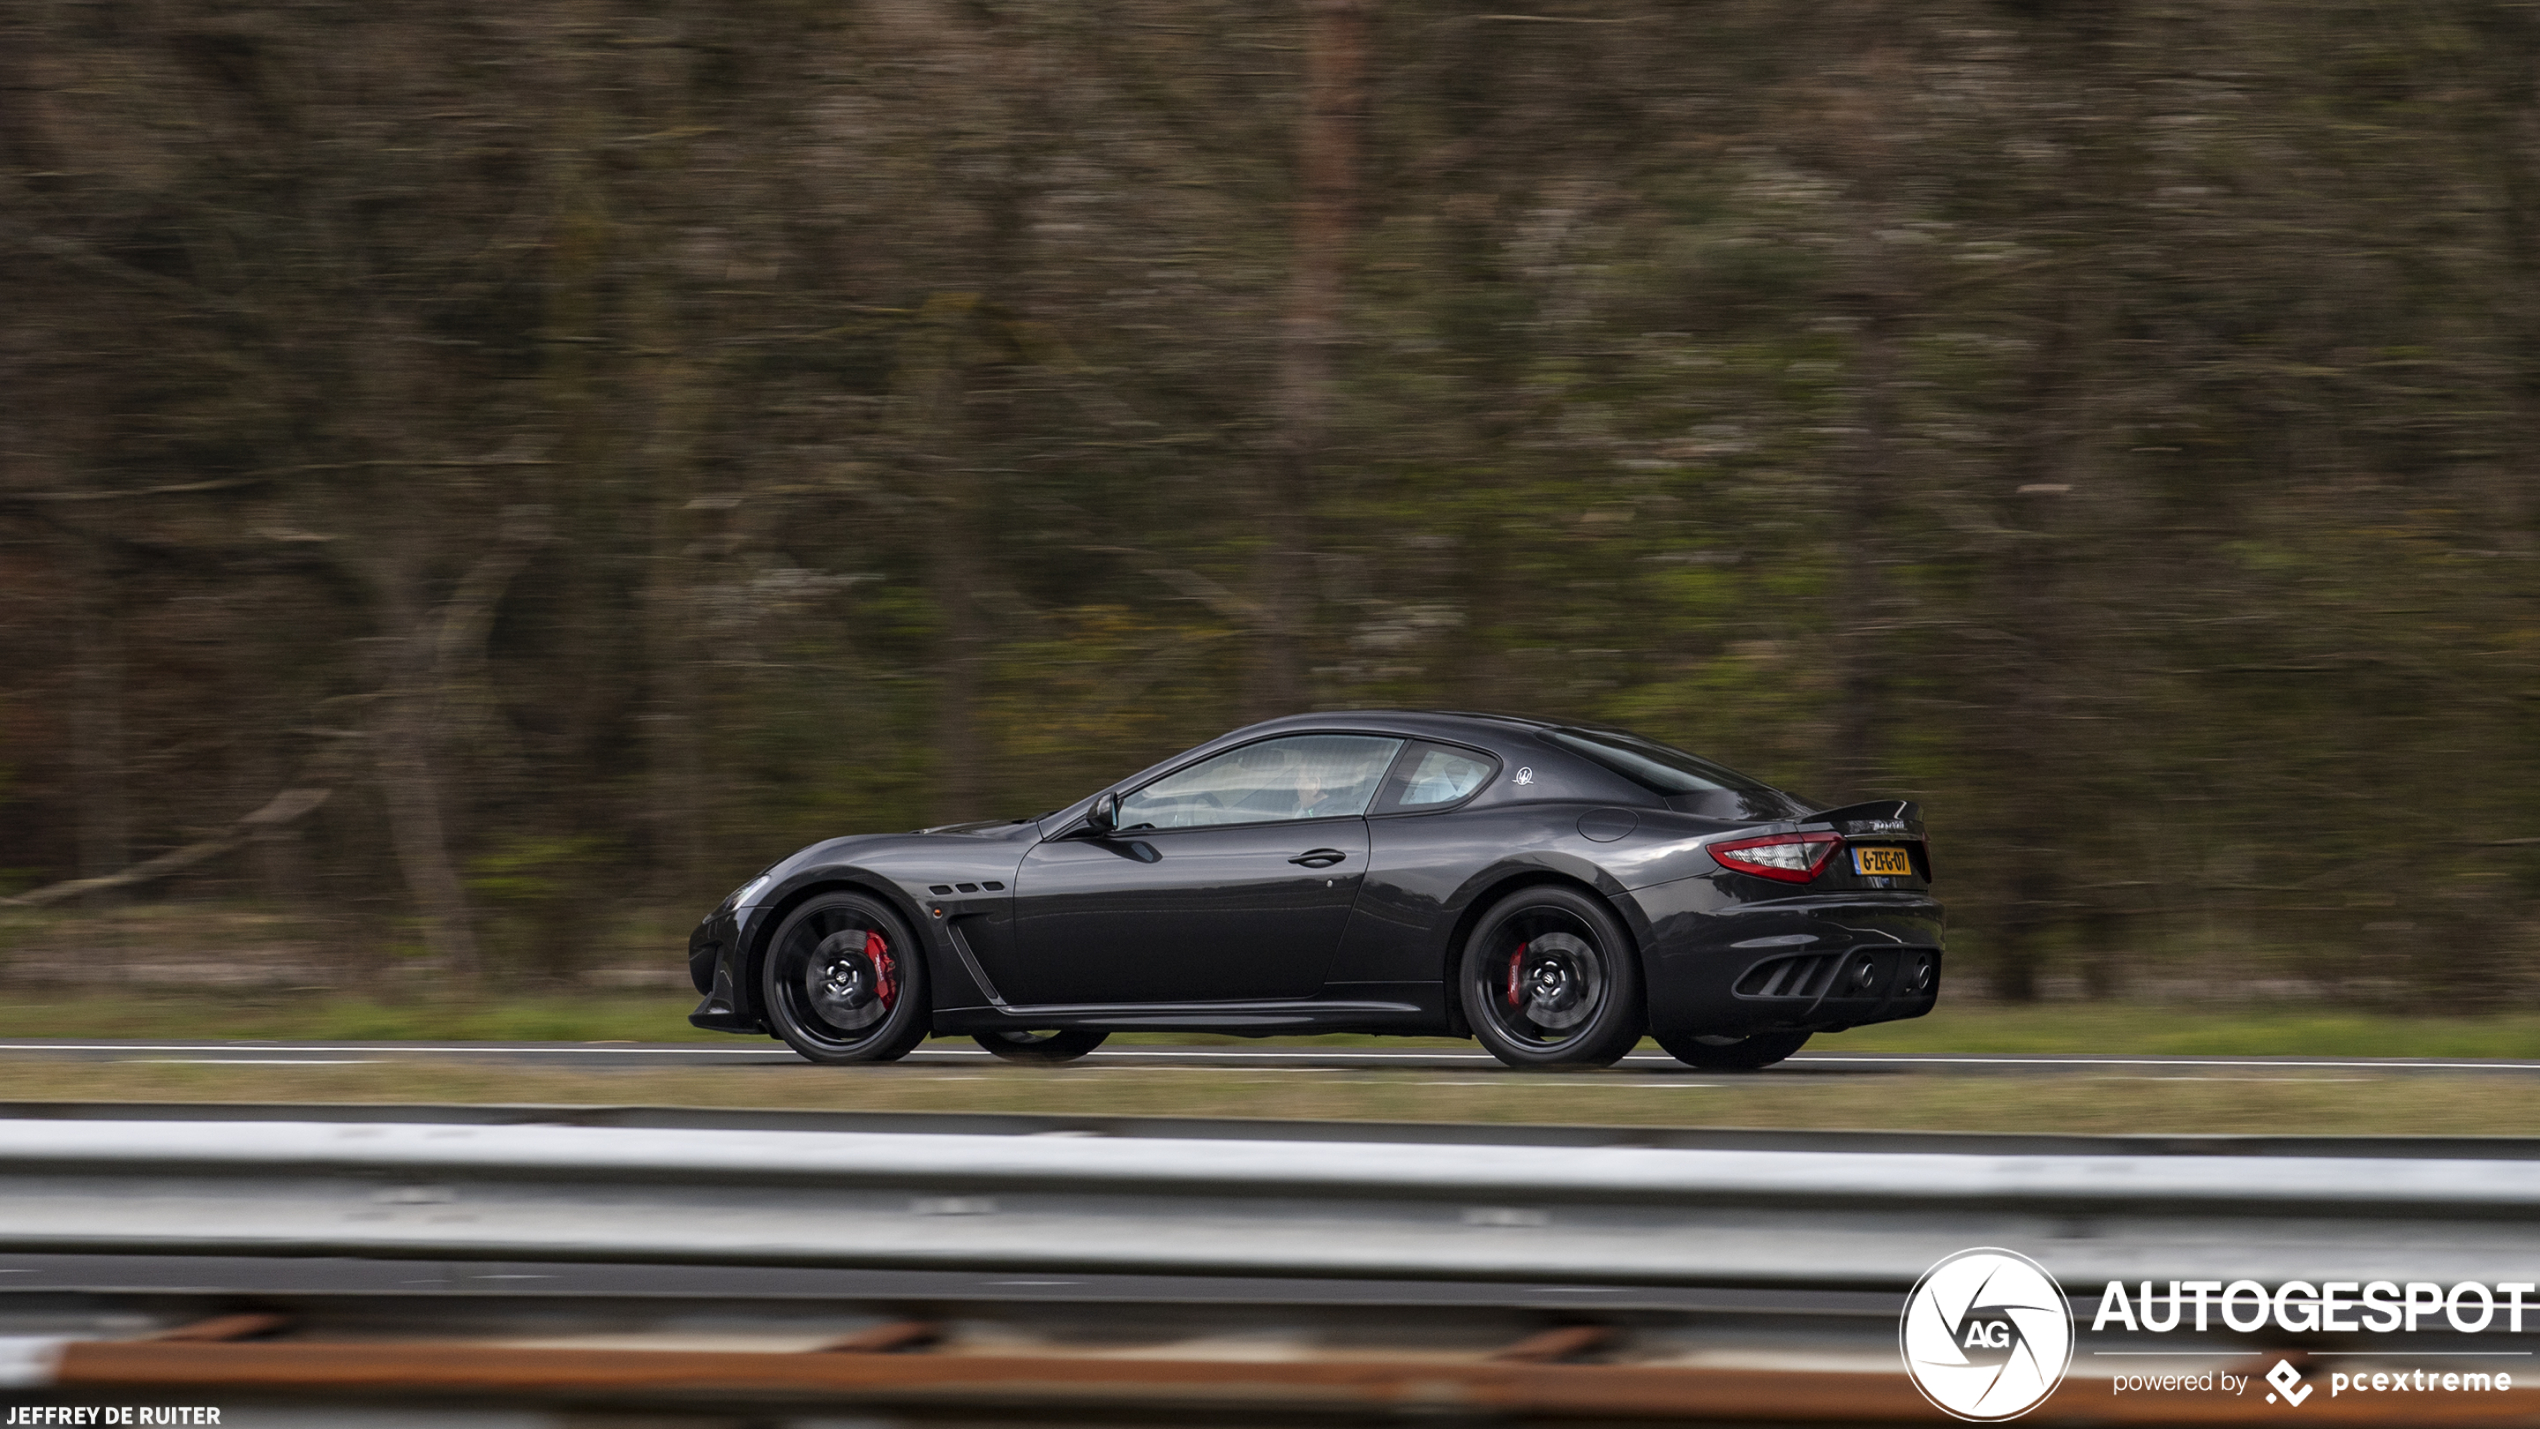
{"x": 1553, "y": 890}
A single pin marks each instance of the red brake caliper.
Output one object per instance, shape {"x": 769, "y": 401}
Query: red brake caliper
{"x": 1516, "y": 961}
{"x": 883, "y": 985}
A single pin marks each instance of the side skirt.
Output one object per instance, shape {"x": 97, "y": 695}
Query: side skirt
{"x": 1414, "y": 1010}
{"x": 1258, "y": 1019}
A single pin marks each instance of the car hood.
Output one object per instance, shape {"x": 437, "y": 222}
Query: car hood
{"x": 845, "y": 849}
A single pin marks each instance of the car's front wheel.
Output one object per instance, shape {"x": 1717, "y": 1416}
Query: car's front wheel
{"x": 1062, "y": 1045}
{"x": 1550, "y": 980}
{"x": 1732, "y": 1054}
{"x": 844, "y": 982}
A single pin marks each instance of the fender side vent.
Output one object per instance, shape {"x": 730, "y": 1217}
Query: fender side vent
{"x": 940, "y": 889}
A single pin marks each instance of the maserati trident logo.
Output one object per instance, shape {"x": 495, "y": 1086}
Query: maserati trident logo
{"x": 1987, "y": 1334}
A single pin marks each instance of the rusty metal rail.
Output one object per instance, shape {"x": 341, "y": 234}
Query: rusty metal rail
{"x": 1019, "y": 1386}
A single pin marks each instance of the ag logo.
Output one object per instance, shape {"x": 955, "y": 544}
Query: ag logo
{"x": 1525, "y": 777}
{"x": 1987, "y": 1334}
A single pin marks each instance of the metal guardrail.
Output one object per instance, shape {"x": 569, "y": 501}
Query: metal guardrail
{"x": 1577, "y": 1215}
{"x": 1165, "y": 1127}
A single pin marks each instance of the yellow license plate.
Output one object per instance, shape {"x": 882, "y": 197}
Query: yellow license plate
{"x": 1882, "y": 862}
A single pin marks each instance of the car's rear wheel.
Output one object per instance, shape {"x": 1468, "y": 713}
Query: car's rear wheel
{"x": 1062, "y": 1045}
{"x": 1732, "y": 1054}
{"x": 1550, "y": 980}
{"x": 844, "y": 982}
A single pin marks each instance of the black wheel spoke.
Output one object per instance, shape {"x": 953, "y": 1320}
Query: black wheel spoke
{"x": 1551, "y": 979}
{"x": 843, "y": 984}
{"x": 1546, "y": 983}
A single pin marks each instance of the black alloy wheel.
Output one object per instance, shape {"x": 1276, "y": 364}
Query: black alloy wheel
{"x": 1551, "y": 980}
{"x": 844, "y": 982}
{"x": 1064, "y": 1045}
{"x": 1732, "y": 1054}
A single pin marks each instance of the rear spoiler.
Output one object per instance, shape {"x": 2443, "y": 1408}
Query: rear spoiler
{"x": 1878, "y": 816}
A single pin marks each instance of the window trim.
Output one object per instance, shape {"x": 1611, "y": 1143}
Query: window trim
{"x": 1398, "y": 779}
{"x": 1406, "y": 741}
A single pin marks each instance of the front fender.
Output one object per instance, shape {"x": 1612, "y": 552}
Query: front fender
{"x": 902, "y": 870}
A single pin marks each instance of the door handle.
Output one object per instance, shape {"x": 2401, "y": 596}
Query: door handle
{"x": 1319, "y": 857}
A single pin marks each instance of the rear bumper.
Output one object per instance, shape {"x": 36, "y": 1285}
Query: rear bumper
{"x": 1818, "y": 963}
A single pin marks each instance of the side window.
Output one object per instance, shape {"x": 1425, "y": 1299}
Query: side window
{"x": 1306, "y": 776}
{"x": 1434, "y": 776}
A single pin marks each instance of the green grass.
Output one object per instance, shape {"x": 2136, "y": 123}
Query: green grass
{"x": 588, "y": 1017}
{"x": 2255, "y": 1099}
{"x": 2107, "y": 1028}
{"x": 2234, "y": 1102}
{"x": 2140, "y": 1028}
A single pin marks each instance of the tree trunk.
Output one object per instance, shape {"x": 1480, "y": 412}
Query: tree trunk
{"x": 674, "y": 805}
{"x": 429, "y": 652}
{"x": 674, "y": 810}
{"x": 97, "y": 723}
{"x": 1327, "y": 165}
{"x": 975, "y": 422}
{"x": 952, "y": 570}
{"x": 408, "y": 778}
{"x": 2031, "y": 596}
{"x": 1867, "y": 501}
{"x": 1864, "y": 617}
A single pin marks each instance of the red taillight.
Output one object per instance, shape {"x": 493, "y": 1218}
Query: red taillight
{"x": 1785, "y": 858}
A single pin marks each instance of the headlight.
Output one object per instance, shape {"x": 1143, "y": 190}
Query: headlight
{"x": 748, "y": 891}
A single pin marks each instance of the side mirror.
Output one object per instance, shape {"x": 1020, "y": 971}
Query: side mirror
{"x": 1104, "y": 816}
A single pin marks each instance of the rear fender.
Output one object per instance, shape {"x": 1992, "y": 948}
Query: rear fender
{"x": 1488, "y": 887}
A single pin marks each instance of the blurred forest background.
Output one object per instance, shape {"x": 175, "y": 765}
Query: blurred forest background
{"x": 603, "y": 444}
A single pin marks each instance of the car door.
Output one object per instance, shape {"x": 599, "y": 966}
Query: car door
{"x": 1227, "y": 880}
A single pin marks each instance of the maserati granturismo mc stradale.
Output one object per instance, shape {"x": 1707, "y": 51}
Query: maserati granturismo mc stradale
{"x": 1555, "y": 891}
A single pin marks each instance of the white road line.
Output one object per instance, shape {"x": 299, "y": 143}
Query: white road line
{"x": 252, "y": 1061}
{"x": 2044, "y": 1059}
{"x": 1202, "y": 1054}
{"x": 471, "y": 1049}
{"x": 2206, "y": 1077}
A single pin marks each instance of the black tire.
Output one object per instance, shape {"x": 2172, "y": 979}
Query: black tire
{"x": 1732, "y": 1054}
{"x": 844, "y": 982}
{"x": 1046, "y": 1048}
{"x": 1550, "y": 981}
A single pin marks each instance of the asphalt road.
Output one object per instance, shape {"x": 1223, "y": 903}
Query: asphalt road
{"x": 1275, "y": 1057}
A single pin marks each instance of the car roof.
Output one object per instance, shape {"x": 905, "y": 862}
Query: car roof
{"x": 1443, "y": 724}
{"x": 1503, "y": 735}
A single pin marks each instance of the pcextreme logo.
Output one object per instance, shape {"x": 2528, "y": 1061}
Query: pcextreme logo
{"x": 2288, "y": 1383}
{"x": 1987, "y": 1334}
